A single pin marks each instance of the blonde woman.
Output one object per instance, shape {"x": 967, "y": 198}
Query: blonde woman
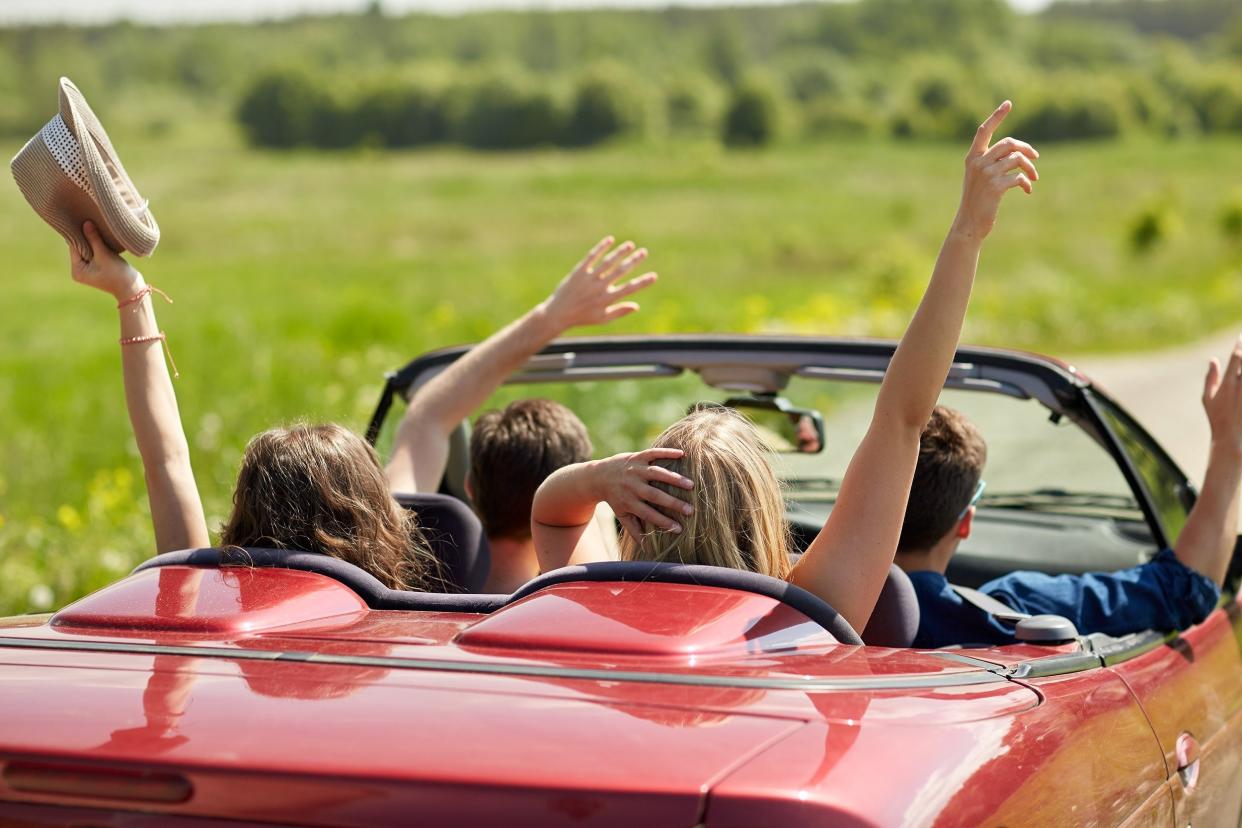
{"x": 710, "y": 472}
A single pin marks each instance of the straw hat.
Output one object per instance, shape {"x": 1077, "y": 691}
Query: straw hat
{"x": 69, "y": 173}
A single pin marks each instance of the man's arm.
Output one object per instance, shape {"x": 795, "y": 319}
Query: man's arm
{"x": 848, "y": 561}
{"x": 589, "y": 295}
{"x": 1207, "y": 540}
{"x": 1171, "y": 590}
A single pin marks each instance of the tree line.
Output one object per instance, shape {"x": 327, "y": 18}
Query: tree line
{"x": 908, "y": 69}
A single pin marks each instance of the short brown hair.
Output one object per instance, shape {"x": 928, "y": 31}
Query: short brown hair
{"x": 951, "y": 458}
{"x": 512, "y": 452}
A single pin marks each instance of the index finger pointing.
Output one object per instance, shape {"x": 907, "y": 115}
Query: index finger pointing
{"x": 983, "y": 135}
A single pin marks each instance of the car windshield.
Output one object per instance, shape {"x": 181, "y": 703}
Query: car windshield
{"x": 1055, "y": 499}
{"x": 1034, "y": 464}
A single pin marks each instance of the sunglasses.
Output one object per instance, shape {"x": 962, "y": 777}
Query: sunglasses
{"x": 983, "y": 484}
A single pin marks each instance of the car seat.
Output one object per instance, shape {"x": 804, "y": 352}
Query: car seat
{"x": 895, "y": 620}
{"x": 455, "y": 536}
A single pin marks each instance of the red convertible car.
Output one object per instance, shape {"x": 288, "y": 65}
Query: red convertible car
{"x": 261, "y": 687}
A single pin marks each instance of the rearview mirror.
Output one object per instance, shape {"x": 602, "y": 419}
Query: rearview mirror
{"x": 785, "y": 428}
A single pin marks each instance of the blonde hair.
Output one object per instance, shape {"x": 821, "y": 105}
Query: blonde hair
{"x": 739, "y": 514}
{"x": 320, "y": 489}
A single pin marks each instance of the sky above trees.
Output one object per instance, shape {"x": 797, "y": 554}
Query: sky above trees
{"x": 161, "y": 11}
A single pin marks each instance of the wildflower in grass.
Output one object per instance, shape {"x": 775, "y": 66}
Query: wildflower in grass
{"x": 68, "y": 517}
{"x": 755, "y": 311}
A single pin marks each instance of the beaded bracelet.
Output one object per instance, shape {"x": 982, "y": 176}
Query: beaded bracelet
{"x": 162, "y": 337}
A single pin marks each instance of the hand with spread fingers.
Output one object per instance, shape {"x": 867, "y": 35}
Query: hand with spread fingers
{"x": 991, "y": 171}
{"x": 1222, "y": 400}
{"x": 592, "y": 293}
{"x": 624, "y": 482}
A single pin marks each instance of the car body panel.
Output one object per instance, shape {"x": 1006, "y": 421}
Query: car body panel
{"x": 973, "y": 744}
{"x": 1043, "y": 768}
{"x": 387, "y": 729}
{"x": 1191, "y": 686}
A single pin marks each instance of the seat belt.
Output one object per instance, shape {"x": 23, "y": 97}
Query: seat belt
{"x": 989, "y": 605}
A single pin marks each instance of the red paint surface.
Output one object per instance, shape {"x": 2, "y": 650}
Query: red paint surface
{"x": 330, "y": 744}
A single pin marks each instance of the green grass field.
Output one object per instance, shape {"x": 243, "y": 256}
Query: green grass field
{"x": 300, "y": 278}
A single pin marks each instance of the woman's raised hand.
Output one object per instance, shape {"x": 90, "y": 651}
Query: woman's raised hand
{"x": 991, "y": 171}
{"x": 590, "y": 294}
{"x": 106, "y": 270}
{"x": 624, "y": 482}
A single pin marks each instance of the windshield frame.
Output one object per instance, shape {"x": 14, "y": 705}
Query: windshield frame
{"x": 750, "y": 363}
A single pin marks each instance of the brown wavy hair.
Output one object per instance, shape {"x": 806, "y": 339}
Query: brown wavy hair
{"x": 320, "y": 488}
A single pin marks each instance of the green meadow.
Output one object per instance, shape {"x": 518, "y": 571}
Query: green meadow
{"x": 300, "y": 277}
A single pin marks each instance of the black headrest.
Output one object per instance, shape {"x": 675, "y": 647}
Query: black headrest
{"x": 456, "y": 538}
{"x": 374, "y": 593}
{"x": 715, "y": 576}
{"x": 895, "y": 621}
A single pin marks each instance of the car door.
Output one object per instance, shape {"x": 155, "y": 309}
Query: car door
{"x": 1190, "y": 688}
{"x": 1190, "y": 685}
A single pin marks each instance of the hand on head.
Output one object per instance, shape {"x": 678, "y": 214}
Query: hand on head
{"x": 590, "y": 294}
{"x": 106, "y": 270}
{"x": 991, "y": 171}
{"x": 1222, "y": 400}
{"x": 624, "y": 481}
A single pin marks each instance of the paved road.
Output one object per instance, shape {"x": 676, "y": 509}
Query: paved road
{"x": 1162, "y": 390}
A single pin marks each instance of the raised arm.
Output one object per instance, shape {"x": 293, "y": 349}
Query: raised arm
{"x": 1207, "y": 540}
{"x": 589, "y": 295}
{"x": 176, "y": 510}
{"x": 848, "y": 562}
{"x": 565, "y": 503}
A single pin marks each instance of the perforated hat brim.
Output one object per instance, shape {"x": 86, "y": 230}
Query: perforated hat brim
{"x": 69, "y": 172}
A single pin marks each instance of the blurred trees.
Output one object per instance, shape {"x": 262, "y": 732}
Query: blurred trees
{"x": 915, "y": 69}
{"x": 754, "y": 114}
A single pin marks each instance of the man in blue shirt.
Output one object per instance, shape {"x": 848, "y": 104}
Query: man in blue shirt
{"x": 1175, "y": 589}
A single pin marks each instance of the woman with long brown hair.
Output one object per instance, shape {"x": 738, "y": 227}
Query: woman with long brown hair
{"x": 316, "y": 488}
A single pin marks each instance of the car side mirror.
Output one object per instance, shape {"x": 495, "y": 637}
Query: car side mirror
{"x": 1045, "y": 629}
{"x": 784, "y": 427}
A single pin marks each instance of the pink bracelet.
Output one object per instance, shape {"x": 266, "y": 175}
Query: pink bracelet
{"x": 142, "y": 294}
{"x": 162, "y": 337}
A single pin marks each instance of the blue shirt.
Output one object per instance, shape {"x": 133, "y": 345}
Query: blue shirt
{"x": 1162, "y": 594}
